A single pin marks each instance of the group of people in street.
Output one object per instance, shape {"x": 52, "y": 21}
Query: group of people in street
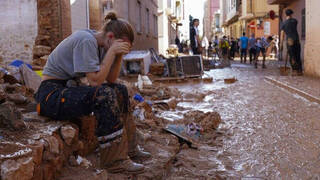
{"x": 254, "y": 46}
{"x": 226, "y": 48}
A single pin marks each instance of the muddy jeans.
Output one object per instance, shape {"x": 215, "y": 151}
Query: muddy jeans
{"x": 295, "y": 56}
{"x": 107, "y": 102}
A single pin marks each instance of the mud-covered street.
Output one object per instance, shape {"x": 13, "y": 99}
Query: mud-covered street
{"x": 159, "y": 90}
{"x": 266, "y": 132}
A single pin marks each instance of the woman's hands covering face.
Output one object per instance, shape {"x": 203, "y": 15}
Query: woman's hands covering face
{"x": 120, "y": 47}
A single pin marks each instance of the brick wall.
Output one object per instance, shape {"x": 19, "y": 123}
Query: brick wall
{"x": 18, "y": 29}
{"x": 53, "y": 21}
{"x": 129, "y": 8}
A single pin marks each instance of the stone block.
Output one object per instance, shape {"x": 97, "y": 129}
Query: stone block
{"x": 52, "y": 144}
{"x": 40, "y": 51}
{"x": 48, "y": 171}
{"x": 68, "y": 133}
{"x": 37, "y": 152}
{"x": 10, "y": 117}
{"x": 21, "y": 169}
{"x": 38, "y": 173}
{"x": 17, "y": 98}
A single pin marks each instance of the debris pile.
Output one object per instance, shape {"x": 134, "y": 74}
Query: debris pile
{"x": 33, "y": 147}
{"x": 208, "y": 121}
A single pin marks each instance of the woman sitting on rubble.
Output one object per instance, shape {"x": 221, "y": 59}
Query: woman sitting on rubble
{"x": 96, "y": 56}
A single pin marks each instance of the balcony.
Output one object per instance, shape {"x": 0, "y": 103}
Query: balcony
{"x": 280, "y": 1}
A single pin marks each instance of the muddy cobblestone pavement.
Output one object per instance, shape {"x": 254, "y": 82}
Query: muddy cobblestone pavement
{"x": 252, "y": 129}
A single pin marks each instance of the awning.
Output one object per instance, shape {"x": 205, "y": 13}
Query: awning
{"x": 247, "y": 17}
{"x": 280, "y": 1}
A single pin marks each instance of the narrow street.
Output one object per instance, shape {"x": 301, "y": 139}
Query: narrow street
{"x": 266, "y": 132}
{"x": 159, "y": 90}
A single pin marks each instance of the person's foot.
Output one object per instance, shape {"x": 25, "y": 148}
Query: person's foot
{"x": 127, "y": 166}
{"x": 300, "y": 73}
{"x": 256, "y": 65}
{"x": 264, "y": 66}
{"x": 139, "y": 153}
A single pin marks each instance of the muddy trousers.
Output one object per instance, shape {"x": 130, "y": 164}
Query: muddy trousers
{"x": 294, "y": 52}
{"x": 108, "y": 102}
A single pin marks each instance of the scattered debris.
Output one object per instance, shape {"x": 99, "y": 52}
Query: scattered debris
{"x": 157, "y": 69}
{"x": 83, "y": 162}
{"x": 208, "y": 121}
{"x": 230, "y": 80}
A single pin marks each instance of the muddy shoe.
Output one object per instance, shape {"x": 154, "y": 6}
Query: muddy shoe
{"x": 264, "y": 66}
{"x": 127, "y": 166}
{"x": 256, "y": 65}
{"x": 138, "y": 153}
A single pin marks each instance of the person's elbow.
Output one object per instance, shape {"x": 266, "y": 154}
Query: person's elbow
{"x": 94, "y": 79}
{"x": 111, "y": 79}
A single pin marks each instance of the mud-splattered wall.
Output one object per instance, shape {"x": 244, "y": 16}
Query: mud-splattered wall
{"x": 18, "y": 29}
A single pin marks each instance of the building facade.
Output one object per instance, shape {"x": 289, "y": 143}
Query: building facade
{"x": 26, "y": 23}
{"x": 13, "y": 43}
{"x": 31, "y": 24}
{"x": 171, "y": 18}
{"x": 260, "y": 18}
{"x": 211, "y": 19}
{"x": 141, "y": 14}
{"x": 249, "y": 16}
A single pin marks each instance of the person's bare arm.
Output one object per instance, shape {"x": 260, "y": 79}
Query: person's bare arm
{"x": 198, "y": 40}
{"x": 282, "y": 36}
{"x": 115, "y": 69}
{"x": 97, "y": 78}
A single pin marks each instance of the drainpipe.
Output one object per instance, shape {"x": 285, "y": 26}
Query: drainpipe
{"x": 88, "y": 15}
{"x": 281, "y": 8}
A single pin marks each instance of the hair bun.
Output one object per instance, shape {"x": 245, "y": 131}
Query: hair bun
{"x": 111, "y": 16}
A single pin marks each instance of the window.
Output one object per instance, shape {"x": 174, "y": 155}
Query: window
{"x": 148, "y": 22}
{"x": 139, "y": 17}
{"x": 107, "y": 6}
{"x": 155, "y": 25}
{"x": 303, "y": 23}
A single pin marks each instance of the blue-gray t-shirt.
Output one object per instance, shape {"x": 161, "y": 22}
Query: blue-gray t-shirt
{"x": 74, "y": 56}
{"x": 244, "y": 42}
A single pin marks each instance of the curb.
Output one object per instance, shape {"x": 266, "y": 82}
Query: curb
{"x": 293, "y": 90}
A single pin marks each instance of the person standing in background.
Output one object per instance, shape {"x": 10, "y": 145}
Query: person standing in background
{"x": 224, "y": 48}
{"x": 252, "y": 48}
{"x": 289, "y": 28}
{"x": 244, "y": 47}
{"x": 195, "y": 39}
{"x": 233, "y": 48}
{"x": 262, "y": 46}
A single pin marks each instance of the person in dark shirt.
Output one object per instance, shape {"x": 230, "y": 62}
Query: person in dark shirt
{"x": 289, "y": 28}
{"x": 233, "y": 48}
{"x": 194, "y": 37}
